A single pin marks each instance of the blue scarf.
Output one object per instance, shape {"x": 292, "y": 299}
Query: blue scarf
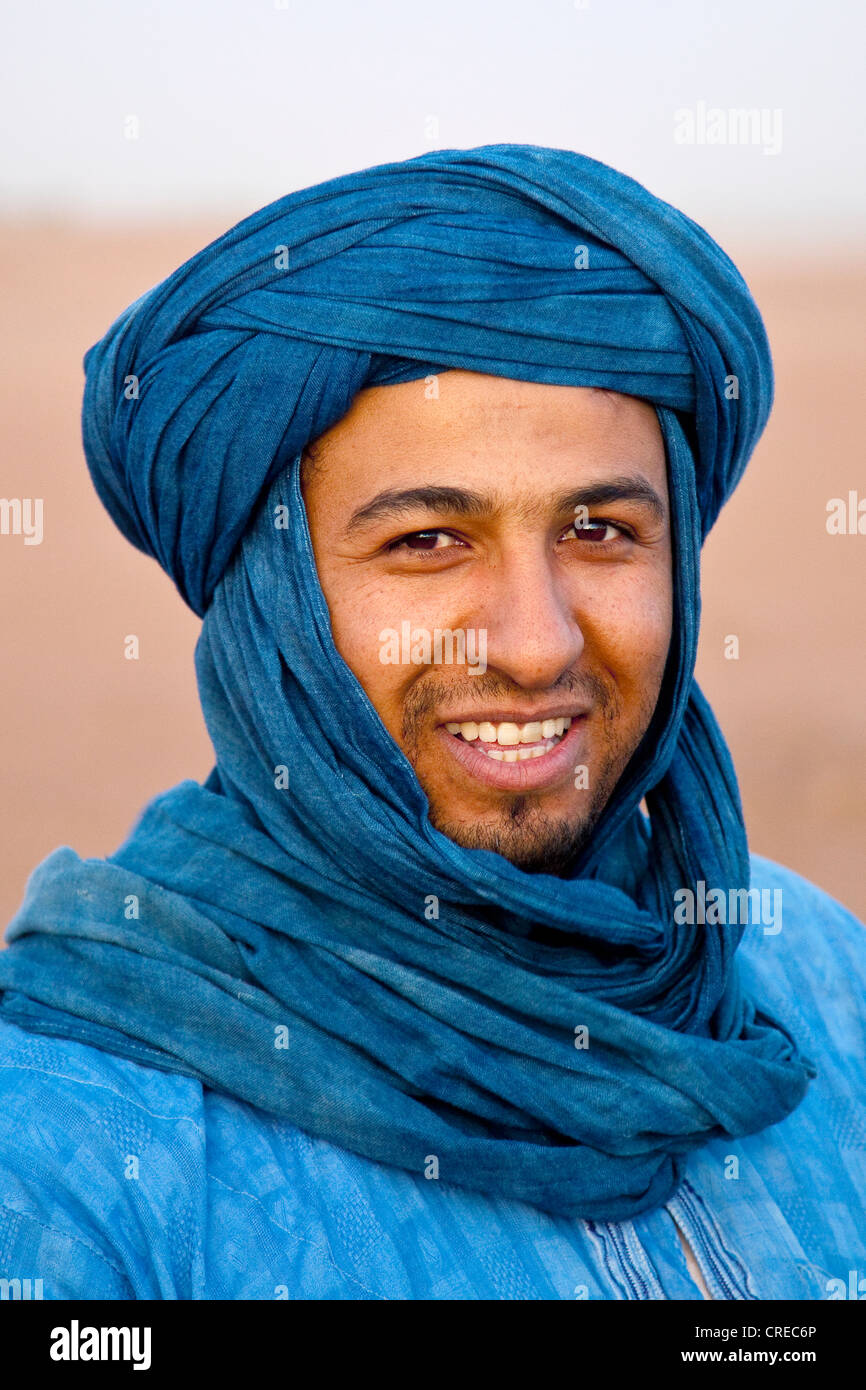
{"x": 319, "y": 950}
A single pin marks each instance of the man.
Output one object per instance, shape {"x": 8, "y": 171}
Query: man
{"x": 412, "y": 999}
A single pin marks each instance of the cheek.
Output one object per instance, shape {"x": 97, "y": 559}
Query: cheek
{"x": 361, "y": 610}
{"x": 627, "y": 626}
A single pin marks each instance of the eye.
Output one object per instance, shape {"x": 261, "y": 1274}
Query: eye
{"x": 598, "y": 532}
{"x": 422, "y": 542}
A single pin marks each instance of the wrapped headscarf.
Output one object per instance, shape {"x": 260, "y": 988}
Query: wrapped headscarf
{"x": 275, "y": 941}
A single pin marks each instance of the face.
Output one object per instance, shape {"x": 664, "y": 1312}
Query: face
{"x": 497, "y": 564}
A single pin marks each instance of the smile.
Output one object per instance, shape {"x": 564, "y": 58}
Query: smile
{"x": 516, "y": 757}
{"x": 512, "y": 743}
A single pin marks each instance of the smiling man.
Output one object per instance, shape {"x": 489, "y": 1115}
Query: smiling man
{"x": 455, "y": 979}
{"x": 540, "y": 521}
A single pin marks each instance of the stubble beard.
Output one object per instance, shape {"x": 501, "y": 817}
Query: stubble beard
{"x": 523, "y": 832}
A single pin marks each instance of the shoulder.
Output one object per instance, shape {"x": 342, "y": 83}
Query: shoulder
{"x": 805, "y": 960}
{"x": 805, "y": 914}
{"x": 97, "y": 1154}
{"x": 83, "y": 1086}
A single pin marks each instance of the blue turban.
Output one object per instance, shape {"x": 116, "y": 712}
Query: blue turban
{"x": 273, "y": 941}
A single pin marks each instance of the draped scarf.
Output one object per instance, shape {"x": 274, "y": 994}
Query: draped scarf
{"x": 277, "y": 942}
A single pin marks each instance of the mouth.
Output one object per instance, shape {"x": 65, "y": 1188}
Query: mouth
{"x": 513, "y": 756}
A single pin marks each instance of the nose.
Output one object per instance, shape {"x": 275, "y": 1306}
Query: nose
{"x": 533, "y": 633}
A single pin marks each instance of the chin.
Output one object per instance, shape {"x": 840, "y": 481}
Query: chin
{"x": 528, "y": 838}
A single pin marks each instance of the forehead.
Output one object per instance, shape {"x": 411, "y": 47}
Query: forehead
{"x": 471, "y": 427}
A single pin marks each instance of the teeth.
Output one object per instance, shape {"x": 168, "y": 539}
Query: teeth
{"x": 518, "y": 755}
{"x": 510, "y": 736}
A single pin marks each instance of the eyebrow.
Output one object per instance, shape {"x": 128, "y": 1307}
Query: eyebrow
{"x": 441, "y": 500}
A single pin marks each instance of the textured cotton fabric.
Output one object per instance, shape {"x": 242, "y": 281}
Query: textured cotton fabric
{"x": 272, "y": 943}
{"x": 118, "y": 1181}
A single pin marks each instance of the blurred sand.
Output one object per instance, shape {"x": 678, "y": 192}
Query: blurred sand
{"x": 87, "y": 736}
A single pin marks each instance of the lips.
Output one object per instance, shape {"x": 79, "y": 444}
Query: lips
{"x": 516, "y": 757}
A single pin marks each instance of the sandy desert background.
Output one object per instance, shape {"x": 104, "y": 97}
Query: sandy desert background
{"x": 86, "y": 737}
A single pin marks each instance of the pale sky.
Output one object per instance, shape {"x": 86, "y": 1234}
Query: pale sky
{"x": 240, "y": 101}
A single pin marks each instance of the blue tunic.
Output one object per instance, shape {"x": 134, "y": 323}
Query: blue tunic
{"x": 120, "y": 1181}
